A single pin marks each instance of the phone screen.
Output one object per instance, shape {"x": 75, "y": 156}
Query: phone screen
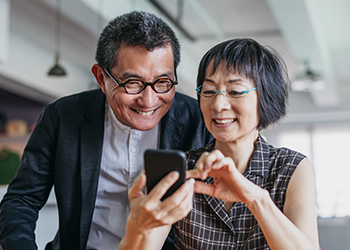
{"x": 158, "y": 163}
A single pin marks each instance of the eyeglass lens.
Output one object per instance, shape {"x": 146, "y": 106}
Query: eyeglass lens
{"x": 232, "y": 92}
{"x": 161, "y": 85}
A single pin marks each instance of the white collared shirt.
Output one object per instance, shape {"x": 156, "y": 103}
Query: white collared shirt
{"x": 121, "y": 163}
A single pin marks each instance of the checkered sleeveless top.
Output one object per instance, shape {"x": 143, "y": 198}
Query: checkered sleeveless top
{"x": 208, "y": 226}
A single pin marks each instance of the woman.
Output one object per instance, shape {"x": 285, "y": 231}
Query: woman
{"x": 254, "y": 196}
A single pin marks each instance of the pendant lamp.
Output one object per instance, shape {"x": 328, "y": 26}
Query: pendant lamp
{"x": 57, "y": 69}
{"x": 309, "y": 81}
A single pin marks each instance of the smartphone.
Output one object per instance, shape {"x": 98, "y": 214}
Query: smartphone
{"x": 160, "y": 162}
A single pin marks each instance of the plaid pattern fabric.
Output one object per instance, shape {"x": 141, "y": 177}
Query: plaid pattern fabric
{"x": 208, "y": 226}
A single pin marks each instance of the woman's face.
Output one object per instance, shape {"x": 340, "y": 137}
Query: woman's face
{"x": 229, "y": 119}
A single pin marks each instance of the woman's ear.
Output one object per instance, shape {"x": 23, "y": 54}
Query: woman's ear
{"x": 97, "y": 70}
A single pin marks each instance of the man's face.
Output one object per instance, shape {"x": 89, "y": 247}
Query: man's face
{"x": 141, "y": 111}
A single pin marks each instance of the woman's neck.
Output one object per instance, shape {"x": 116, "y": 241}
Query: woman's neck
{"x": 239, "y": 150}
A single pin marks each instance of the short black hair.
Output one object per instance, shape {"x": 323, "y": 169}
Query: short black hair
{"x": 261, "y": 64}
{"x": 136, "y": 28}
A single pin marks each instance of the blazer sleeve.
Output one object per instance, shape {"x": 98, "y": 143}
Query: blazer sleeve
{"x": 31, "y": 186}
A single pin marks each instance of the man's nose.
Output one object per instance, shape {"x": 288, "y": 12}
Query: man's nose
{"x": 148, "y": 97}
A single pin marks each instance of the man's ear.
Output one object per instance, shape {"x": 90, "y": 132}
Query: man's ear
{"x": 97, "y": 70}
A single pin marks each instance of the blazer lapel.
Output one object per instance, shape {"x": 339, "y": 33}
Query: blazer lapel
{"x": 92, "y": 132}
{"x": 170, "y": 133}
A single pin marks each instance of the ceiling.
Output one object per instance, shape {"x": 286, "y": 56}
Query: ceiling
{"x": 312, "y": 30}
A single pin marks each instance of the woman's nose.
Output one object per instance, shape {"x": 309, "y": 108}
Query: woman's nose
{"x": 220, "y": 102}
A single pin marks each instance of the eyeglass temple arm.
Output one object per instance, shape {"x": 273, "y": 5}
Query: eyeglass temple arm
{"x": 246, "y": 91}
{"x": 111, "y": 76}
{"x": 199, "y": 88}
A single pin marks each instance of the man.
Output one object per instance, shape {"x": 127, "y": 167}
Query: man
{"x": 90, "y": 145}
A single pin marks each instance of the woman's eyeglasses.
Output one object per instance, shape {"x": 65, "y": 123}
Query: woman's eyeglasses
{"x": 208, "y": 92}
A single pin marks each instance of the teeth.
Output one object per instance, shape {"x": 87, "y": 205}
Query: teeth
{"x": 144, "y": 113}
{"x": 224, "y": 121}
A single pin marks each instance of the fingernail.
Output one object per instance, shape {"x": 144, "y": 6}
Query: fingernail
{"x": 174, "y": 174}
{"x": 190, "y": 182}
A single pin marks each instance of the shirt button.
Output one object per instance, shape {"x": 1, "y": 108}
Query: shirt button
{"x": 133, "y": 149}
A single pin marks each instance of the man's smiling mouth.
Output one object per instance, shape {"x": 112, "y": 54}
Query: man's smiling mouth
{"x": 145, "y": 113}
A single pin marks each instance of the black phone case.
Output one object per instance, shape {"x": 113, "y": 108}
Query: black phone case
{"x": 158, "y": 163}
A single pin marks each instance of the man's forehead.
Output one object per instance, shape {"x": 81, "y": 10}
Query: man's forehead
{"x": 139, "y": 49}
{"x": 137, "y": 61}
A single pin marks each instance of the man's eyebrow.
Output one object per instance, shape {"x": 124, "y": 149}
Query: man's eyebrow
{"x": 168, "y": 74}
{"x": 127, "y": 75}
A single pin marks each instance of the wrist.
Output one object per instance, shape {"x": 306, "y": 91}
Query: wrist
{"x": 259, "y": 201}
{"x": 134, "y": 238}
{"x": 136, "y": 228}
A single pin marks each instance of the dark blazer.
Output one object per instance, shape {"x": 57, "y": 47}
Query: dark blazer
{"x": 65, "y": 151}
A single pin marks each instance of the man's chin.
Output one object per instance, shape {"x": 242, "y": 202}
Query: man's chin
{"x": 144, "y": 126}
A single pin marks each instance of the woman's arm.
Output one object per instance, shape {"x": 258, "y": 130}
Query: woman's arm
{"x": 296, "y": 228}
{"x": 150, "y": 219}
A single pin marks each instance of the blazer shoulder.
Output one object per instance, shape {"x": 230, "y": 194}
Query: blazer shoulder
{"x": 183, "y": 108}
{"x": 79, "y": 99}
{"x": 90, "y": 103}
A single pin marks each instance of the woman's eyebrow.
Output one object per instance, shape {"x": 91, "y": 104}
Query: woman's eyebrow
{"x": 236, "y": 80}
{"x": 240, "y": 81}
{"x": 208, "y": 80}
{"x": 229, "y": 81}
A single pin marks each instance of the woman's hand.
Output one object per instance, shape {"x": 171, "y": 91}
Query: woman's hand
{"x": 150, "y": 219}
{"x": 148, "y": 211}
{"x": 229, "y": 184}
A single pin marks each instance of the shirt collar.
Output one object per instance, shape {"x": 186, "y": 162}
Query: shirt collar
{"x": 259, "y": 163}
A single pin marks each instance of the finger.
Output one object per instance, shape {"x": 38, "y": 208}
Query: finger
{"x": 202, "y": 167}
{"x": 182, "y": 210}
{"x": 201, "y": 161}
{"x": 171, "y": 209}
{"x": 203, "y": 188}
{"x": 214, "y": 157}
{"x": 224, "y": 162}
{"x": 180, "y": 194}
{"x": 136, "y": 189}
{"x": 163, "y": 185}
{"x": 207, "y": 160}
{"x": 179, "y": 204}
{"x": 194, "y": 173}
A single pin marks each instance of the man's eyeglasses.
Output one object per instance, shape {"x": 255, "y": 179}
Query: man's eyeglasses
{"x": 134, "y": 86}
{"x": 208, "y": 92}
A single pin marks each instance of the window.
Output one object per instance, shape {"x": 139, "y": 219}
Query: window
{"x": 328, "y": 149}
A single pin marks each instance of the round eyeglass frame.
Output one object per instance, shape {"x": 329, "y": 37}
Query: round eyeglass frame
{"x": 145, "y": 84}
